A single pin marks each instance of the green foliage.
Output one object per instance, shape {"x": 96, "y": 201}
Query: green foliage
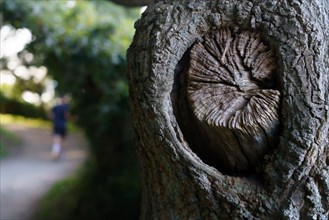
{"x": 33, "y": 122}
{"x": 19, "y": 107}
{"x": 74, "y": 197}
{"x": 27, "y": 83}
{"x": 8, "y": 141}
{"x": 83, "y": 48}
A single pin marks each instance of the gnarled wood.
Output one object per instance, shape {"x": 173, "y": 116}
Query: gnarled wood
{"x": 178, "y": 183}
{"x": 231, "y": 91}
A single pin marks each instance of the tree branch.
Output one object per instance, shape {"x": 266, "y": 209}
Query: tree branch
{"x": 133, "y": 3}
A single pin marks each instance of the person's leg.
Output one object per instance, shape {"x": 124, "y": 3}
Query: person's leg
{"x": 58, "y": 143}
{"x": 56, "y": 147}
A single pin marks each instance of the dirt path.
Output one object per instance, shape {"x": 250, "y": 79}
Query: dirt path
{"x": 29, "y": 172}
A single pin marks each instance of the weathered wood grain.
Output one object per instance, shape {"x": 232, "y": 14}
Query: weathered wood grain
{"x": 231, "y": 86}
{"x": 177, "y": 182}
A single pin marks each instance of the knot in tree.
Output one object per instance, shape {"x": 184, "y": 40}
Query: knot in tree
{"x": 231, "y": 91}
{"x": 230, "y": 104}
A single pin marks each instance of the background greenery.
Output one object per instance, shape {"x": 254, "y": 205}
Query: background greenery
{"x": 10, "y": 105}
{"x": 8, "y": 140}
{"x": 83, "y": 47}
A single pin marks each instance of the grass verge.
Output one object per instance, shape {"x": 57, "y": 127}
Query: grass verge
{"x": 31, "y": 122}
{"x": 8, "y": 140}
{"x": 60, "y": 201}
{"x": 91, "y": 195}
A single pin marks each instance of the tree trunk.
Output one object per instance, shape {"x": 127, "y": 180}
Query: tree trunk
{"x": 230, "y": 102}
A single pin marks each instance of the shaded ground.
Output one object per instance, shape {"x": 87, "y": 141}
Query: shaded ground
{"x": 28, "y": 172}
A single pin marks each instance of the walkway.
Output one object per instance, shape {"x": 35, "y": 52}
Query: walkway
{"x": 29, "y": 172}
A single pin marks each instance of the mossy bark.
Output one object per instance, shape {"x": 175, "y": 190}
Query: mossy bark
{"x": 292, "y": 181}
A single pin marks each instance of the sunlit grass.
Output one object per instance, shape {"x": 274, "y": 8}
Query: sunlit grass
{"x": 7, "y": 140}
{"x": 31, "y": 122}
{"x": 16, "y": 119}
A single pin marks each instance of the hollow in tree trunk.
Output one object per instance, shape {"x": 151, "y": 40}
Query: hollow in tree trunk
{"x": 230, "y": 102}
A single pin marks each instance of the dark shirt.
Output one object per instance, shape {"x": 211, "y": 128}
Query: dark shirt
{"x": 60, "y": 114}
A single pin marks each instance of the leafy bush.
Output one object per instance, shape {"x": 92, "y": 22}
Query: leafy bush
{"x": 74, "y": 197}
{"x": 17, "y": 107}
{"x": 84, "y": 49}
{"x": 8, "y": 140}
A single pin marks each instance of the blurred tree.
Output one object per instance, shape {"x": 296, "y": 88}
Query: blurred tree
{"x": 19, "y": 78}
{"x": 27, "y": 79}
{"x": 83, "y": 44}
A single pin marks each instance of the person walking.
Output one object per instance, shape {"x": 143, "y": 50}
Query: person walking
{"x": 59, "y": 116}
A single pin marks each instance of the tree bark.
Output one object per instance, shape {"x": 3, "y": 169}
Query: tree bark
{"x": 185, "y": 176}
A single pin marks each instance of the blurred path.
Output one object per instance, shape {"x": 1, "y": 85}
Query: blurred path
{"x": 29, "y": 172}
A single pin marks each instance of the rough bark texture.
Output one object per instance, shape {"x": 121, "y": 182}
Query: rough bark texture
{"x": 181, "y": 177}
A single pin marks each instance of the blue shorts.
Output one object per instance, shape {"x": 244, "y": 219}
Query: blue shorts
{"x": 60, "y": 130}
